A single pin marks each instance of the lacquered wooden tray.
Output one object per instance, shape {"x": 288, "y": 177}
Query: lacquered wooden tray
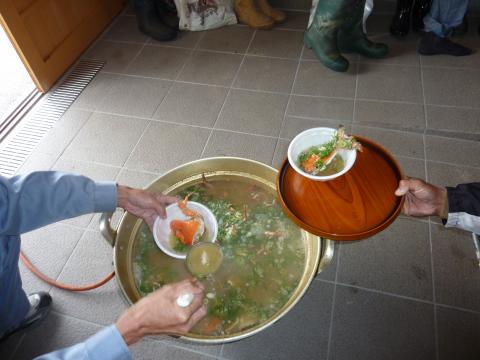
{"x": 353, "y": 206}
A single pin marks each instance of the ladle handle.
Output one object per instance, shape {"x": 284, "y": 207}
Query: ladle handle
{"x": 109, "y": 233}
{"x": 327, "y": 254}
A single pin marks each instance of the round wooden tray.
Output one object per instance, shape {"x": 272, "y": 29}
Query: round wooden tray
{"x": 353, "y": 206}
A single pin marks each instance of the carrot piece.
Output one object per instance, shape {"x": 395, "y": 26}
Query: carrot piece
{"x": 309, "y": 164}
{"x": 185, "y": 230}
{"x": 211, "y": 325}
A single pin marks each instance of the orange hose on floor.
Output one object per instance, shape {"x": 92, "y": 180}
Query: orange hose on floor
{"x": 60, "y": 285}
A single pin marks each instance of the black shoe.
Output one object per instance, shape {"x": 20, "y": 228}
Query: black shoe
{"x": 461, "y": 29}
{"x": 431, "y": 44}
{"x": 39, "y": 308}
{"x": 167, "y": 14}
{"x": 401, "y": 20}
{"x": 149, "y": 21}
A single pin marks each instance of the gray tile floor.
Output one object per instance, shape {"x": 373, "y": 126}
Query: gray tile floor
{"x": 410, "y": 292}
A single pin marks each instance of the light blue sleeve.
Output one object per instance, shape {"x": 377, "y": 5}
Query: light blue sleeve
{"x": 31, "y": 201}
{"x": 107, "y": 344}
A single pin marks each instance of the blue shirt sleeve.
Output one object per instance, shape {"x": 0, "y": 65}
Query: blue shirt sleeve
{"x": 31, "y": 201}
{"x": 107, "y": 344}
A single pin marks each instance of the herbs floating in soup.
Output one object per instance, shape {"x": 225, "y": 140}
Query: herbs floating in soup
{"x": 325, "y": 159}
{"x": 263, "y": 257}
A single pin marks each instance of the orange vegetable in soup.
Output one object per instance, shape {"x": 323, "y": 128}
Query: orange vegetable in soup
{"x": 186, "y": 230}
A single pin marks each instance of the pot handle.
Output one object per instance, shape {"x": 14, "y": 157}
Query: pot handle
{"x": 106, "y": 229}
{"x": 327, "y": 255}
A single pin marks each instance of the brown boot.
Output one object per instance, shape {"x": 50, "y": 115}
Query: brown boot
{"x": 247, "y": 13}
{"x": 277, "y": 15}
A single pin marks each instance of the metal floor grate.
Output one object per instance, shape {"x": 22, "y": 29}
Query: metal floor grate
{"x": 22, "y": 143}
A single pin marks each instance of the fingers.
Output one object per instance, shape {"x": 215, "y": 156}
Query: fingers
{"x": 197, "y": 316}
{"x": 150, "y": 220}
{"x": 196, "y": 304}
{"x": 157, "y": 205}
{"x": 159, "y": 202}
{"x": 411, "y": 184}
{"x": 167, "y": 199}
{"x": 403, "y": 187}
{"x": 192, "y": 286}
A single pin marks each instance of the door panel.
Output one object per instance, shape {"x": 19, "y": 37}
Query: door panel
{"x": 50, "y": 35}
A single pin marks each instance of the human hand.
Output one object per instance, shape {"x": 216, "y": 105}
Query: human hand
{"x": 144, "y": 204}
{"x": 159, "y": 313}
{"x": 422, "y": 198}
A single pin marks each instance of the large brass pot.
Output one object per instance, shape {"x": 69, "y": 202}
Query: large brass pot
{"x": 319, "y": 251}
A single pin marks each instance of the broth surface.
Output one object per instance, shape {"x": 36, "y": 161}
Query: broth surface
{"x": 263, "y": 257}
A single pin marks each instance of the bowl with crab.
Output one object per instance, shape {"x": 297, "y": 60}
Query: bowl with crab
{"x": 323, "y": 154}
{"x": 186, "y": 224}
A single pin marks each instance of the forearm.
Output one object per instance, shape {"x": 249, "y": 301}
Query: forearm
{"x": 129, "y": 325}
{"x": 464, "y": 207}
{"x": 123, "y": 195}
{"x": 40, "y": 198}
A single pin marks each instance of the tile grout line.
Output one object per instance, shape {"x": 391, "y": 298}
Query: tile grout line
{"x": 357, "y": 69}
{"x": 432, "y": 268}
{"x": 332, "y": 312}
{"x": 284, "y": 120}
{"x": 457, "y": 308}
{"x": 136, "y": 56}
{"x": 190, "y": 56}
{"x": 71, "y": 141}
{"x": 151, "y": 119}
{"x": 228, "y": 93}
{"x": 434, "y": 297}
{"x": 360, "y": 60}
{"x": 381, "y": 292}
{"x": 107, "y": 90}
{"x": 147, "y": 126}
{"x": 296, "y": 94}
{"x": 70, "y": 256}
{"x": 236, "y": 132}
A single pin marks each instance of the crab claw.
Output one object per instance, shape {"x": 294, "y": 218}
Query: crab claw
{"x": 182, "y": 204}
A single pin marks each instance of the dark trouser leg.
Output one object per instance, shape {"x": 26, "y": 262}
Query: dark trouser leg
{"x": 17, "y": 311}
{"x": 14, "y": 304}
{"x": 401, "y": 20}
{"x": 420, "y": 9}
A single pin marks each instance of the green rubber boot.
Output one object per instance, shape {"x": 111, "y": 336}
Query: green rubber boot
{"x": 351, "y": 37}
{"x": 321, "y": 36}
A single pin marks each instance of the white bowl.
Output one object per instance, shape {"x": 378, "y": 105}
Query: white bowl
{"x": 315, "y": 137}
{"x": 162, "y": 231}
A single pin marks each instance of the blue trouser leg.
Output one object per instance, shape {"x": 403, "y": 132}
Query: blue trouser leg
{"x": 444, "y": 15}
{"x": 14, "y": 303}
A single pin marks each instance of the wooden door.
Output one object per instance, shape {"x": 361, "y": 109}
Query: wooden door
{"x": 49, "y": 35}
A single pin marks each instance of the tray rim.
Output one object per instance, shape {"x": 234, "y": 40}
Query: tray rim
{"x": 342, "y": 237}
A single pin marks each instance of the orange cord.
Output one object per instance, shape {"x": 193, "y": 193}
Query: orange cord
{"x": 60, "y": 285}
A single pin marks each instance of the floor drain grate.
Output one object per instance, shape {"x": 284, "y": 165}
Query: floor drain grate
{"x": 22, "y": 143}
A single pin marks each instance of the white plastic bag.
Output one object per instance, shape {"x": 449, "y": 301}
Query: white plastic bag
{"x": 197, "y": 15}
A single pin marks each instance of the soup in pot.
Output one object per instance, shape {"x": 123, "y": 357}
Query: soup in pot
{"x": 263, "y": 256}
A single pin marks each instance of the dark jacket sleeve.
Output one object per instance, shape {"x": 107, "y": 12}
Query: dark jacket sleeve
{"x": 464, "y": 207}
